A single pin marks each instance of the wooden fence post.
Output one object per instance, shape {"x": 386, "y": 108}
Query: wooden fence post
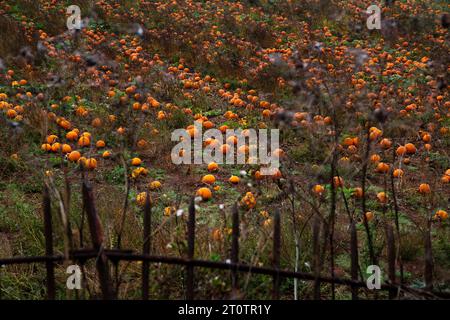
{"x": 276, "y": 254}
{"x": 48, "y": 233}
{"x": 354, "y": 258}
{"x": 191, "y": 249}
{"x": 96, "y": 231}
{"x": 428, "y": 272}
{"x": 391, "y": 260}
{"x": 235, "y": 249}
{"x": 146, "y": 246}
{"x": 316, "y": 256}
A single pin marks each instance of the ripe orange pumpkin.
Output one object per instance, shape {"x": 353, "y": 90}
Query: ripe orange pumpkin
{"x": 385, "y": 143}
{"x": 208, "y": 179}
{"x": 72, "y": 135}
{"x": 208, "y": 124}
{"x": 141, "y": 198}
{"x": 426, "y": 137}
{"x": 441, "y": 214}
{"x": 410, "y": 148}
{"x": 382, "y": 167}
{"x": 74, "y": 156}
{"x": 100, "y": 144}
{"x": 90, "y": 163}
{"x": 51, "y": 138}
{"x": 258, "y": 175}
{"x": 382, "y": 197}
{"x": 56, "y": 146}
{"x": 66, "y": 148}
{"x": 84, "y": 141}
{"x": 375, "y": 158}
{"x": 398, "y": 173}
{"x": 155, "y": 185}
{"x": 212, "y": 167}
{"x": 96, "y": 122}
{"x": 369, "y": 215}
{"x": 401, "y": 151}
{"x": 11, "y": 113}
{"x": 358, "y": 192}
{"x": 234, "y": 179}
{"x": 278, "y": 153}
{"x": 136, "y": 162}
{"x": 318, "y": 189}
{"x": 204, "y": 193}
{"x": 424, "y": 188}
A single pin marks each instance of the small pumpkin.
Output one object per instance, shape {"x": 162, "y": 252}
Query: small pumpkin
{"x": 398, "y": 173}
{"x": 234, "y": 179}
{"x": 204, "y": 193}
{"x": 100, "y": 144}
{"x": 209, "y": 179}
{"x": 318, "y": 189}
{"x": 441, "y": 214}
{"x": 369, "y": 215}
{"x": 382, "y": 197}
{"x": 410, "y": 148}
{"x": 212, "y": 167}
{"x": 74, "y": 156}
{"x": 424, "y": 188}
{"x": 136, "y": 162}
{"x": 155, "y": 185}
{"x": 90, "y": 163}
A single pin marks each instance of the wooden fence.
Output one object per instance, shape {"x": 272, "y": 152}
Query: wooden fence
{"x": 104, "y": 256}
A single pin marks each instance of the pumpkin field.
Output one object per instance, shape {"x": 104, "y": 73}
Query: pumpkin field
{"x": 87, "y": 176}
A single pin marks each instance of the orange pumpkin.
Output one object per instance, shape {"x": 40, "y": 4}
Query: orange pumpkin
{"x": 100, "y": 144}
{"x": 204, "y": 193}
{"x": 208, "y": 179}
{"x": 358, "y": 192}
{"x": 56, "y": 146}
{"x": 66, "y": 148}
{"x": 84, "y": 141}
{"x": 234, "y": 179}
{"x": 382, "y": 197}
{"x": 74, "y": 156}
{"x": 369, "y": 215}
{"x": 385, "y": 143}
{"x": 441, "y": 214}
{"x": 46, "y": 147}
{"x": 424, "y": 188}
{"x": 72, "y": 135}
{"x": 398, "y": 173}
{"x": 51, "y": 138}
{"x": 155, "y": 185}
{"x": 410, "y": 148}
{"x": 90, "y": 163}
{"x": 318, "y": 189}
{"x": 136, "y": 162}
{"x": 382, "y": 167}
{"x": 401, "y": 151}
{"x": 212, "y": 167}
